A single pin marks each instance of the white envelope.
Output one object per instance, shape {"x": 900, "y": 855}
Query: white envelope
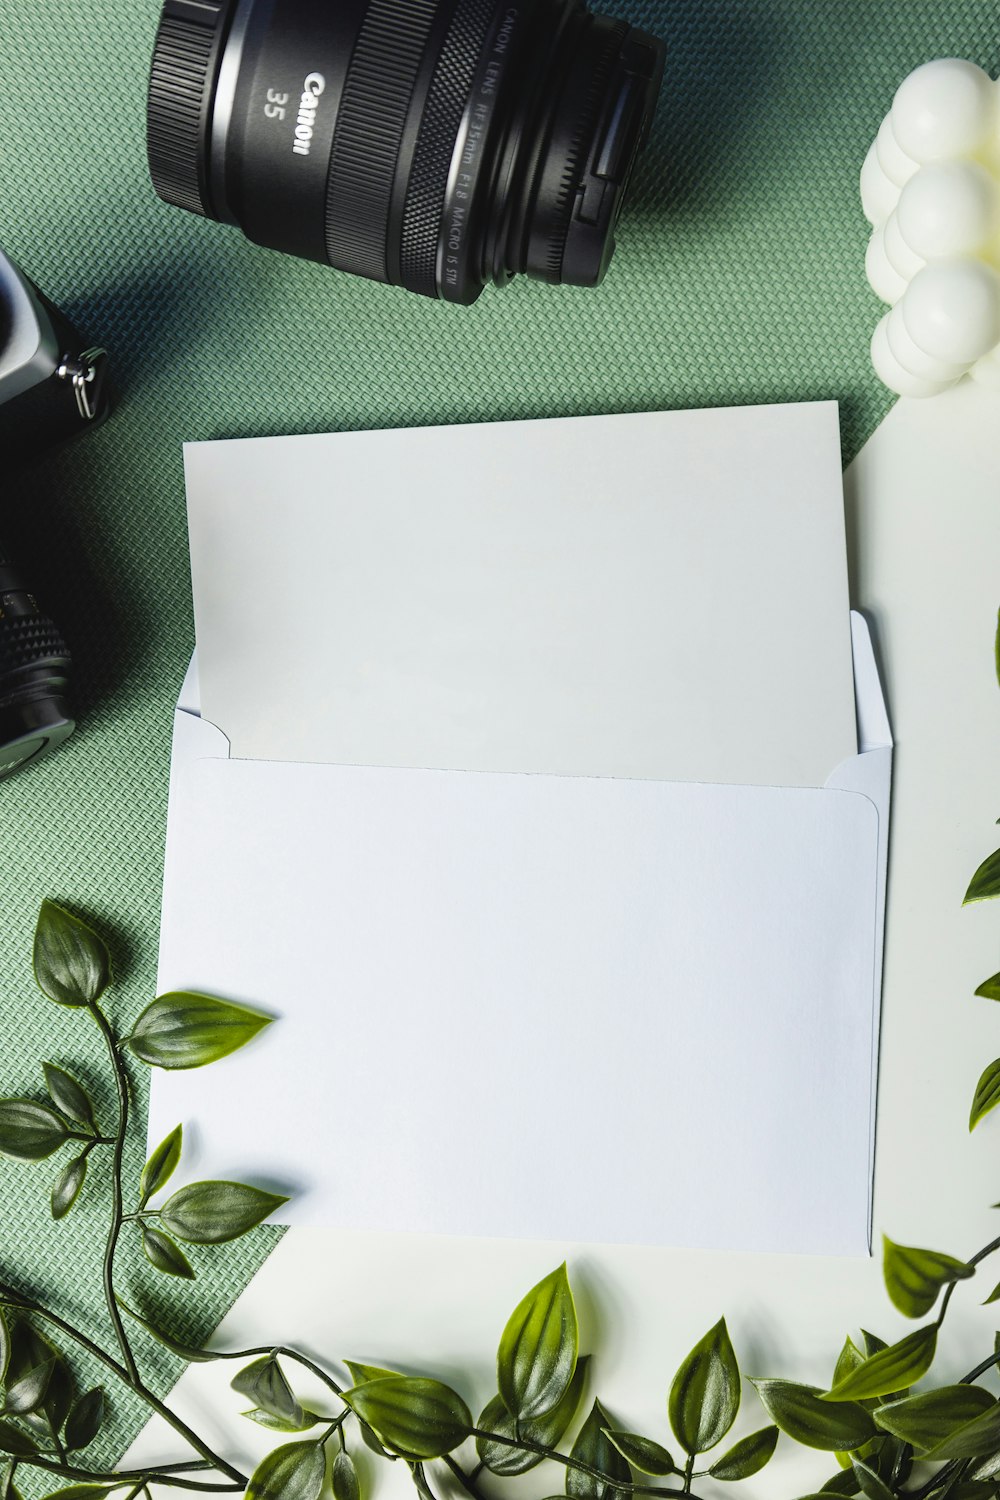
{"x": 580, "y": 1008}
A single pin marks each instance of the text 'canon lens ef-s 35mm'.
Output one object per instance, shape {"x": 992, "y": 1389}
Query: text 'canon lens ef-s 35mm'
{"x": 432, "y": 144}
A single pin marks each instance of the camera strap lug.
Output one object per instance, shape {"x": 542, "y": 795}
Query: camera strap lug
{"x": 84, "y": 372}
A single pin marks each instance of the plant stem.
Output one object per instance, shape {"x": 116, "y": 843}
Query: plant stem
{"x": 286, "y": 1353}
{"x": 526, "y": 1445}
{"x": 57, "y": 1445}
{"x": 121, "y": 1086}
{"x": 337, "y": 1425}
{"x": 980, "y": 1369}
{"x": 144, "y": 1476}
{"x": 943, "y": 1475}
{"x": 465, "y": 1480}
{"x": 688, "y": 1472}
{"x": 974, "y": 1261}
{"x": 141, "y": 1390}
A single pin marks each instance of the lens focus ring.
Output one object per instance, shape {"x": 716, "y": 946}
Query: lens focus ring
{"x": 373, "y": 112}
{"x": 439, "y": 127}
{"x": 180, "y": 83}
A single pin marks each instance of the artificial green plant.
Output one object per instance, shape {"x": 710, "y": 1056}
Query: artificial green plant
{"x": 886, "y": 1439}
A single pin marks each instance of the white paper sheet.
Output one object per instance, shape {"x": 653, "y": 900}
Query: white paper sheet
{"x": 659, "y": 595}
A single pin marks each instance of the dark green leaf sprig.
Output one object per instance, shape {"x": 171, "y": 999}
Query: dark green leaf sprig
{"x": 888, "y": 1440}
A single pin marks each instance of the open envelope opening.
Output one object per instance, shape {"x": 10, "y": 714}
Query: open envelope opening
{"x": 558, "y": 1007}
{"x": 579, "y": 1007}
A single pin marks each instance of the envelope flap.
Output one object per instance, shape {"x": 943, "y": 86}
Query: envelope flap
{"x": 874, "y": 731}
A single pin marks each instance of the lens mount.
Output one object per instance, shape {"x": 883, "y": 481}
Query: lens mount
{"x": 432, "y": 144}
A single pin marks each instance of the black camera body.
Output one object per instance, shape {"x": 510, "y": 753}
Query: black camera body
{"x": 51, "y": 387}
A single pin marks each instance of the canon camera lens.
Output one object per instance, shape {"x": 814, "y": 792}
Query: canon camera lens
{"x": 432, "y": 144}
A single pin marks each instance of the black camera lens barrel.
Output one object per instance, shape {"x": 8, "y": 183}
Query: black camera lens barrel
{"x": 34, "y": 673}
{"x": 432, "y": 144}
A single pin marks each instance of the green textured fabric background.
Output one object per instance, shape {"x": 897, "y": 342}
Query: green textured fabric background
{"x": 739, "y": 278}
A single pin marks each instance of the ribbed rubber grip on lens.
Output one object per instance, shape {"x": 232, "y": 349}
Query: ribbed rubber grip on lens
{"x": 370, "y": 126}
{"x": 439, "y": 125}
{"x": 180, "y": 82}
{"x": 29, "y": 639}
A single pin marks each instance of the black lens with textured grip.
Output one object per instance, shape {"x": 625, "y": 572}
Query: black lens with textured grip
{"x": 432, "y": 144}
{"x": 34, "y": 674}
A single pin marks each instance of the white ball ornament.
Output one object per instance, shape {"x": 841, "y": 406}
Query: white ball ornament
{"x": 952, "y": 310}
{"x": 945, "y": 108}
{"x": 930, "y": 186}
{"x": 891, "y": 372}
{"x": 912, "y": 358}
{"x": 879, "y": 194}
{"x": 883, "y": 278}
{"x": 906, "y": 261}
{"x": 892, "y": 159}
{"x": 948, "y": 209}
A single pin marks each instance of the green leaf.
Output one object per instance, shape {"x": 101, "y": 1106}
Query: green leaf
{"x": 68, "y": 1095}
{"x": 869, "y": 1482}
{"x": 27, "y": 1350}
{"x": 987, "y": 1094}
{"x": 29, "y": 1392}
{"x": 165, "y": 1254}
{"x": 891, "y": 1369}
{"x": 913, "y": 1278}
{"x": 994, "y": 1296}
{"x": 30, "y": 1130}
{"x": 642, "y": 1453}
{"x": 83, "y": 1492}
{"x": 295, "y": 1471}
{"x": 276, "y": 1424}
{"x": 85, "y": 1418}
{"x": 4, "y": 1345}
{"x": 8, "y": 1489}
{"x": 801, "y": 1411}
{"x": 29, "y": 1354}
{"x": 987, "y": 1468}
{"x": 844, "y": 1482}
{"x": 416, "y": 1417}
{"x": 848, "y": 1359}
{"x": 182, "y": 1030}
{"x": 264, "y": 1382}
{"x": 13, "y": 1440}
{"x": 72, "y": 964}
{"x": 873, "y": 1344}
{"x": 210, "y": 1213}
{"x": 705, "y": 1395}
{"x": 593, "y": 1447}
{"x": 59, "y": 1397}
{"x": 930, "y": 1418}
{"x": 361, "y": 1373}
{"x": 974, "y": 1440}
{"x": 538, "y": 1348}
{"x": 746, "y": 1457}
{"x": 546, "y": 1429}
{"x": 985, "y": 884}
{"x": 188, "y": 1352}
{"x": 345, "y": 1478}
{"x": 66, "y": 1188}
{"x": 160, "y": 1166}
{"x": 990, "y": 988}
